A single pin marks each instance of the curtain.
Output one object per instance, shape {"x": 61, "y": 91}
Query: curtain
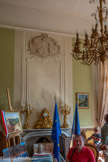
{"x": 102, "y": 92}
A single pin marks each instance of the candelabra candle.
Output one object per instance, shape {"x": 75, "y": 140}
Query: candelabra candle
{"x": 66, "y": 111}
{"x": 22, "y": 105}
{"x": 27, "y": 109}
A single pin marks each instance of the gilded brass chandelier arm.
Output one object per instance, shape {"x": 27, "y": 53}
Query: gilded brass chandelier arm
{"x": 87, "y": 63}
{"x": 101, "y": 13}
{"x": 105, "y": 11}
{"x": 95, "y": 15}
{"x": 77, "y": 56}
{"x": 88, "y": 58}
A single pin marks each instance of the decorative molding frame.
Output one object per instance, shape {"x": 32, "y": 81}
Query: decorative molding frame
{"x": 38, "y": 48}
{"x": 60, "y": 64}
{"x": 43, "y": 46}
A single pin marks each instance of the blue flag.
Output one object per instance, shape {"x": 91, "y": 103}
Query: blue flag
{"x": 76, "y": 123}
{"x": 56, "y": 131}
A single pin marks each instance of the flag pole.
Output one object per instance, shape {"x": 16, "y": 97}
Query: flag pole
{"x": 63, "y": 146}
{"x": 56, "y": 132}
{"x": 55, "y": 98}
{"x": 75, "y": 124}
{"x": 61, "y": 137}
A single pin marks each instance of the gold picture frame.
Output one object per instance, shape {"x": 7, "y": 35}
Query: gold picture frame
{"x": 82, "y": 100}
{"x": 13, "y": 121}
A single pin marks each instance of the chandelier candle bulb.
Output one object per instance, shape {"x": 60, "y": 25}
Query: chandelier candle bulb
{"x": 76, "y": 31}
{"x": 96, "y": 26}
{"x": 28, "y": 107}
{"x": 97, "y": 22}
{"x": 32, "y": 106}
{"x": 105, "y": 29}
{"x": 86, "y": 31}
{"x": 105, "y": 24}
{"x": 84, "y": 49}
{"x": 92, "y": 26}
{"x": 77, "y": 35}
{"x": 21, "y": 103}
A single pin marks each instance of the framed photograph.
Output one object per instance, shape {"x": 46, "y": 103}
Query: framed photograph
{"x": 13, "y": 122}
{"x": 82, "y": 100}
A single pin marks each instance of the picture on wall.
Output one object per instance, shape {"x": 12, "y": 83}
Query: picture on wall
{"x": 82, "y": 100}
{"x": 13, "y": 122}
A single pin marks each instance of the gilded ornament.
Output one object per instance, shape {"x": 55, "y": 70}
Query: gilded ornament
{"x": 44, "y": 120}
{"x": 66, "y": 111}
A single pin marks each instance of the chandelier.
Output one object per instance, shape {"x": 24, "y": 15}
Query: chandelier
{"x": 95, "y": 47}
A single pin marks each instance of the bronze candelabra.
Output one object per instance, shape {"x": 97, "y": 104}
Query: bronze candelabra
{"x": 66, "y": 111}
{"x": 27, "y": 109}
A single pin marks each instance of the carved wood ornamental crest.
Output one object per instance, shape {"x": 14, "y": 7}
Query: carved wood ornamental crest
{"x": 43, "y": 46}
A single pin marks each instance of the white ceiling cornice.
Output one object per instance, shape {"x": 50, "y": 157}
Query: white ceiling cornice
{"x": 64, "y": 16}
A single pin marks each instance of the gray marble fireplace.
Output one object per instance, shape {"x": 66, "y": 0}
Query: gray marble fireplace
{"x": 33, "y": 136}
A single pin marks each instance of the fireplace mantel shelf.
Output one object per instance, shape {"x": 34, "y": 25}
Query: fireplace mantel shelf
{"x": 65, "y": 131}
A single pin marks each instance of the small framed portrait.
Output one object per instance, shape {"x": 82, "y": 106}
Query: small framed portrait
{"x": 82, "y": 100}
{"x": 13, "y": 122}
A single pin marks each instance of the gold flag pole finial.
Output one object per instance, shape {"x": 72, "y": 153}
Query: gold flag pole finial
{"x": 55, "y": 98}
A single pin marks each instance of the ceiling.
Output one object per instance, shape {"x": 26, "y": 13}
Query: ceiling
{"x": 62, "y": 16}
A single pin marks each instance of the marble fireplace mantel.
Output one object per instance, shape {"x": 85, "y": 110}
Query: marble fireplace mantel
{"x": 40, "y": 132}
{"x": 31, "y": 136}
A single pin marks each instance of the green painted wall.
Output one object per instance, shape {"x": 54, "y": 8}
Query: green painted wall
{"x": 82, "y": 82}
{"x": 82, "y": 79}
{"x": 6, "y": 66}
